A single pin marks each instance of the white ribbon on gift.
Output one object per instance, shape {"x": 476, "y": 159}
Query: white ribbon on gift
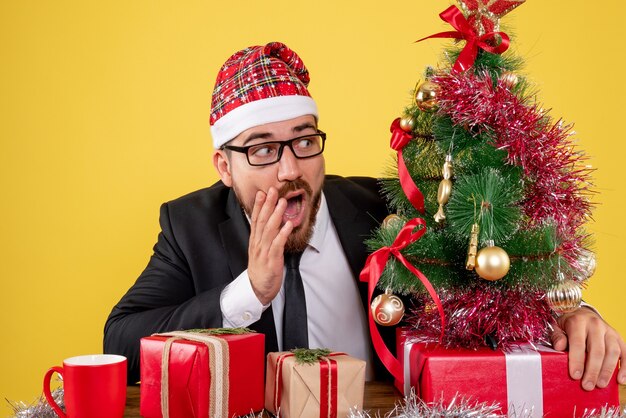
{"x": 524, "y": 388}
{"x": 408, "y": 346}
{"x": 523, "y": 378}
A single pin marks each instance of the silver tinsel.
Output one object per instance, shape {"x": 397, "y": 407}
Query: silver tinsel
{"x": 413, "y": 407}
{"x": 38, "y": 408}
{"x": 460, "y": 407}
{"x": 605, "y": 412}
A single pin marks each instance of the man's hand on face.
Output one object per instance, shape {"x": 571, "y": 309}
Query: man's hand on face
{"x": 594, "y": 348}
{"x": 267, "y": 244}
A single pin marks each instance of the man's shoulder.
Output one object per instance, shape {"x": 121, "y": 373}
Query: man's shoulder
{"x": 355, "y": 195}
{"x": 212, "y": 198}
{"x": 354, "y": 186}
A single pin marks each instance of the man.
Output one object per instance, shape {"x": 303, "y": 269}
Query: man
{"x": 277, "y": 245}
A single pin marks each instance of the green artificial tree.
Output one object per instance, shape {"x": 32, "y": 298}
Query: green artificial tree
{"x": 502, "y": 194}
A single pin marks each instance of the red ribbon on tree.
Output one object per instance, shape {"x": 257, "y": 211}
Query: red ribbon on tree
{"x": 371, "y": 273}
{"x": 399, "y": 139}
{"x": 464, "y": 30}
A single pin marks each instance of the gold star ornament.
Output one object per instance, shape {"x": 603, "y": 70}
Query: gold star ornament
{"x": 484, "y": 15}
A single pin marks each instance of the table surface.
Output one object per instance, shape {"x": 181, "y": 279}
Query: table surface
{"x": 379, "y": 396}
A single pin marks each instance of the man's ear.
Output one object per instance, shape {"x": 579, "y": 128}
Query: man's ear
{"x": 222, "y": 165}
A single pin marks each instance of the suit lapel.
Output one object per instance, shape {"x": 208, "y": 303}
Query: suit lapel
{"x": 352, "y": 226}
{"x": 235, "y": 236}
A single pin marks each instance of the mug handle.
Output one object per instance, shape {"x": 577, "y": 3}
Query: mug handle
{"x": 46, "y": 390}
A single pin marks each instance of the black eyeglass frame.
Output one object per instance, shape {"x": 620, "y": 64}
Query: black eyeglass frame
{"x": 283, "y": 144}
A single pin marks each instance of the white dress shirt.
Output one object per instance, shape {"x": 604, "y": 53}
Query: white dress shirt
{"x": 336, "y": 319}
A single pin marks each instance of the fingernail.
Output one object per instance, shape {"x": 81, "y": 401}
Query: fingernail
{"x": 622, "y": 380}
{"x": 602, "y": 382}
{"x": 588, "y": 385}
{"x": 578, "y": 374}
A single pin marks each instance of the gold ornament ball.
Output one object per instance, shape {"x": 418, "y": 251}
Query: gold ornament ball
{"x": 407, "y": 123}
{"x": 509, "y": 79}
{"x": 430, "y": 307}
{"x": 387, "y": 309}
{"x": 565, "y": 296}
{"x": 426, "y": 96}
{"x": 392, "y": 221}
{"x": 587, "y": 263}
{"x": 492, "y": 263}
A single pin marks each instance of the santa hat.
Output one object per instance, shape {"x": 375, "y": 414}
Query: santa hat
{"x": 258, "y": 85}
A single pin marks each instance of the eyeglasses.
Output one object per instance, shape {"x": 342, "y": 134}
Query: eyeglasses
{"x": 267, "y": 153}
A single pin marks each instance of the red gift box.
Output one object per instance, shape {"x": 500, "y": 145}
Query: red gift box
{"x": 218, "y": 376}
{"x": 526, "y": 380}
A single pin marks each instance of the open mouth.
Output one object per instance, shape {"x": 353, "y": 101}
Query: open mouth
{"x": 295, "y": 208}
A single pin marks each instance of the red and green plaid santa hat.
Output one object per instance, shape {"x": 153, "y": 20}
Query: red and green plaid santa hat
{"x": 259, "y": 85}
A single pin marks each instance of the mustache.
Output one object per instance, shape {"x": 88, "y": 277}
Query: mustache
{"x": 294, "y": 185}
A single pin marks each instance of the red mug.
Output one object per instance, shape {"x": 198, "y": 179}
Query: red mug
{"x": 94, "y": 386}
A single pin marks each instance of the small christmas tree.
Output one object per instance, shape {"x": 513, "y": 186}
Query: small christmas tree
{"x": 490, "y": 198}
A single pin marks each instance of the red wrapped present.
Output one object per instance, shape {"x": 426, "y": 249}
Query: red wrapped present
{"x": 195, "y": 374}
{"x": 525, "y": 380}
{"x": 327, "y": 387}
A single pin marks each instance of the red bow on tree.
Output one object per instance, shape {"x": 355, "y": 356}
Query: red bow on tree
{"x": 374, "y": 266}
{"x": 399, "y": 139}
{"x": 483, "y": 15}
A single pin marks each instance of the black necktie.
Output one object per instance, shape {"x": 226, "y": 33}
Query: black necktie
{"x": 295, "y": 329}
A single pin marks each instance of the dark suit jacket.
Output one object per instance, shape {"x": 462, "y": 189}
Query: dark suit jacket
{"x": 203, "y": 246}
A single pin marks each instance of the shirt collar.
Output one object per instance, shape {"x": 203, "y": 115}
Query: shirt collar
{"x": 321, "y": 226}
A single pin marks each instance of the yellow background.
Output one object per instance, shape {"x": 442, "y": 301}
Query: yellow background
{"x": 104, "y": 115}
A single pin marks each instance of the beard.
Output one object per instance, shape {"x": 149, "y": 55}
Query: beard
{"x": 300, "y": 235}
